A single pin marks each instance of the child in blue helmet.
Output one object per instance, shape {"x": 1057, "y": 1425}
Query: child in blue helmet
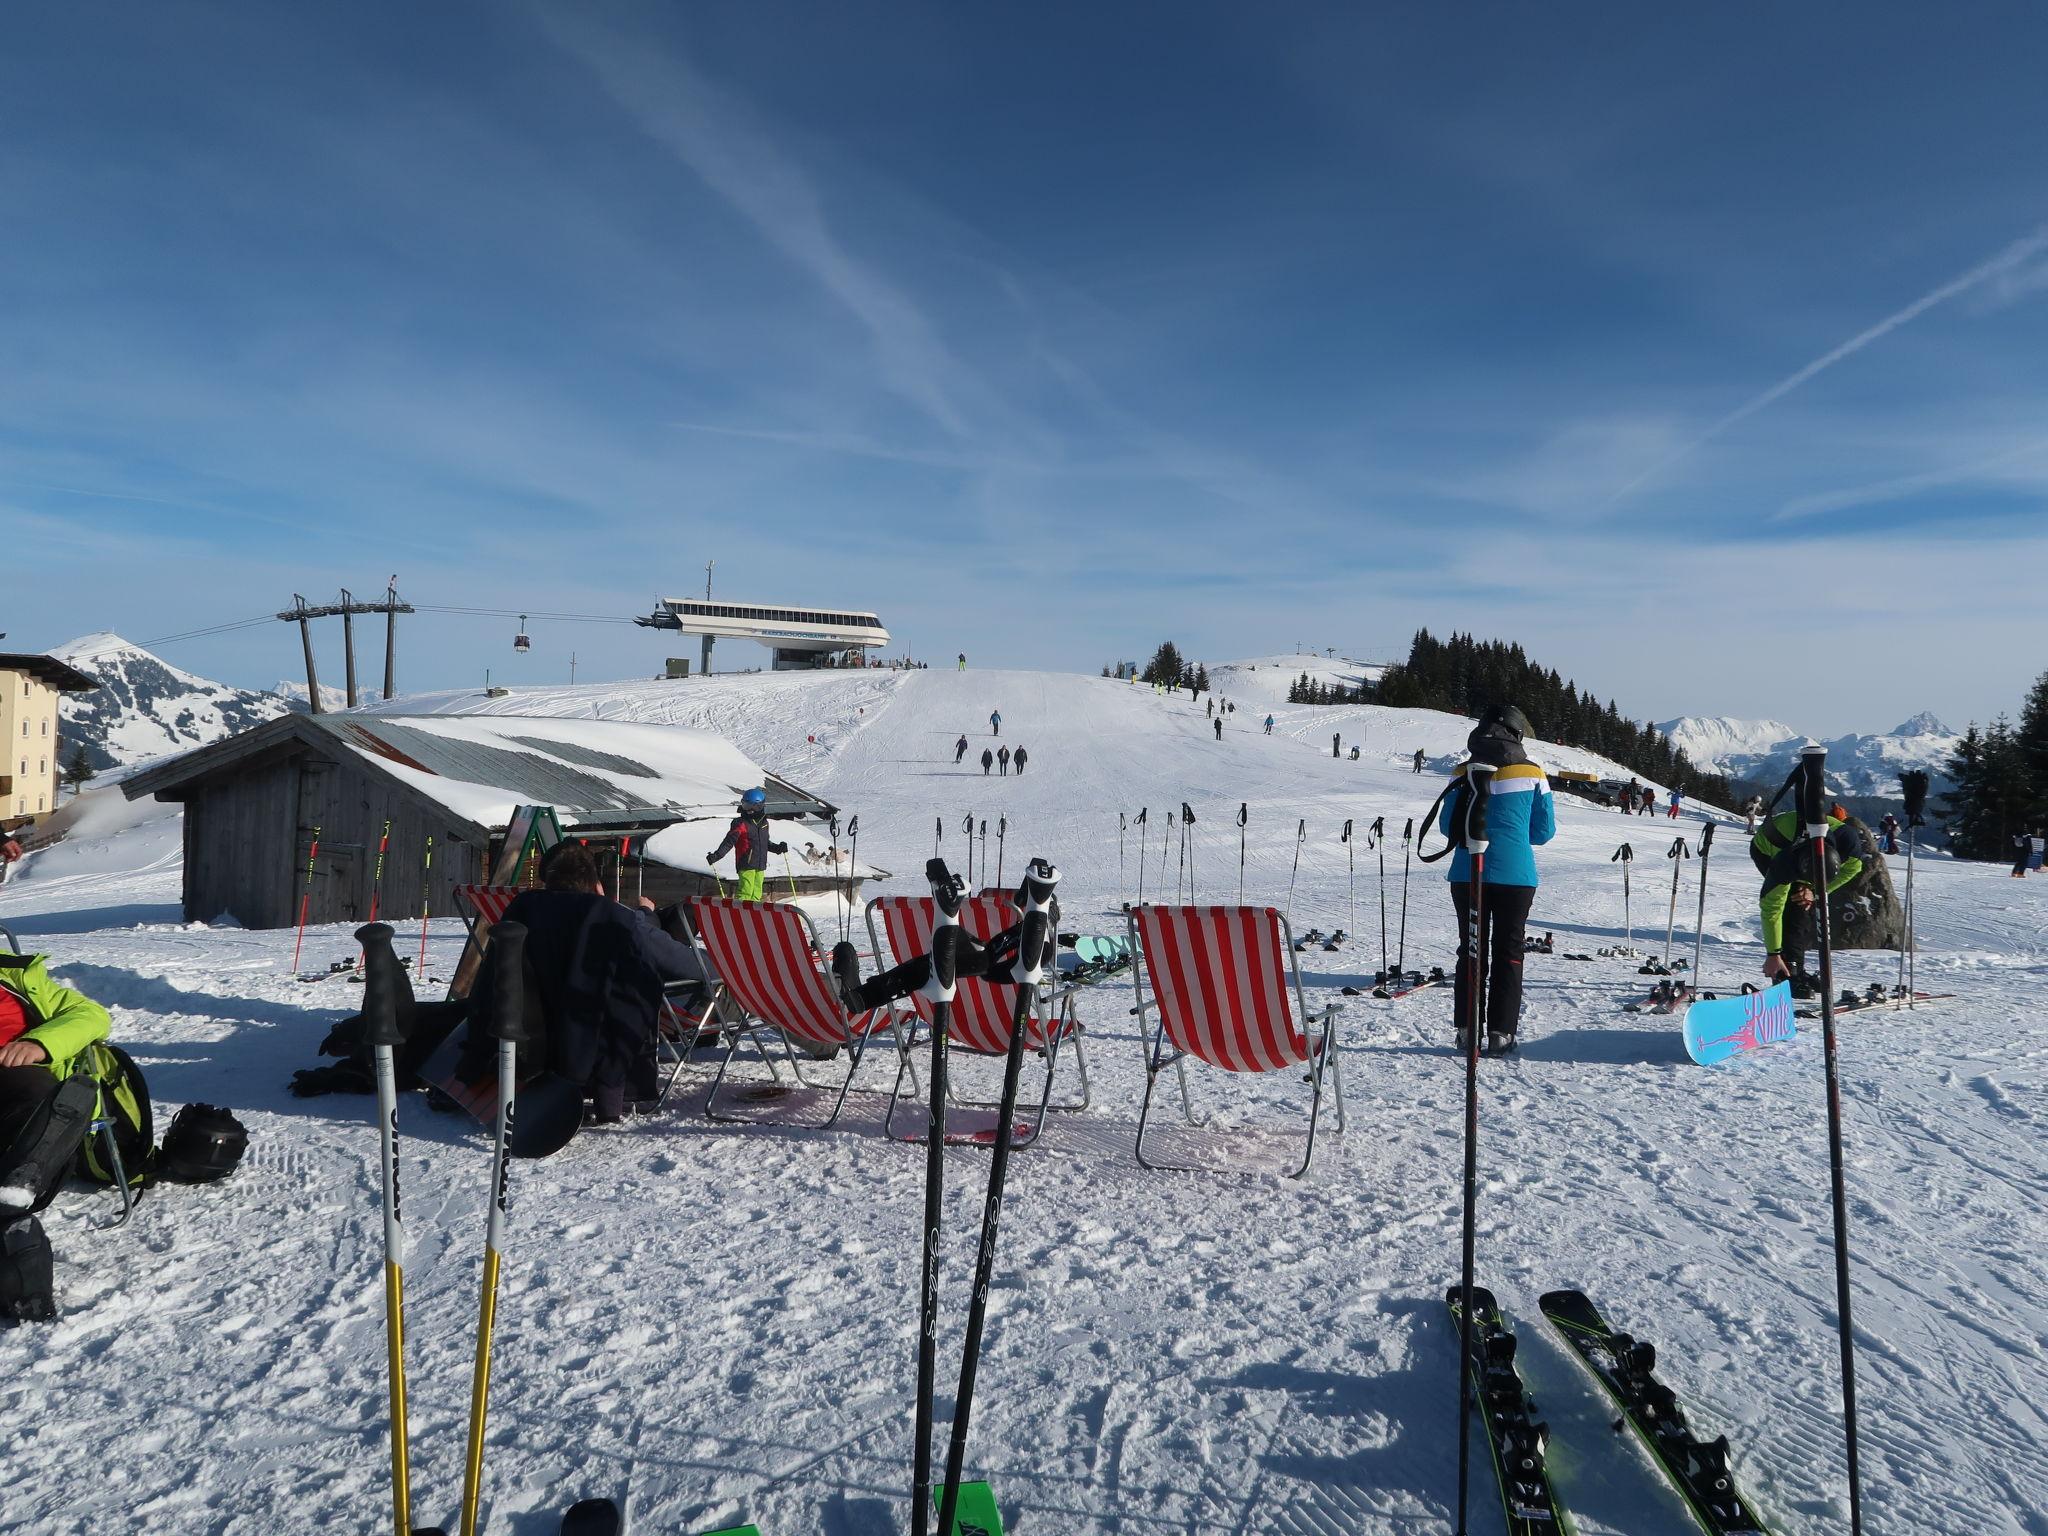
{"x": 748, "y": 842}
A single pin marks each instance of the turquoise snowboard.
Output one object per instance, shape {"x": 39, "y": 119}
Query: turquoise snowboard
{"x": 1719, "y": 1027}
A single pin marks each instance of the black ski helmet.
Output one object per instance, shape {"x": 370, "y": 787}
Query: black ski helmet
{"x": 1510, "y": 717}
{"x": 204, "y": 1143}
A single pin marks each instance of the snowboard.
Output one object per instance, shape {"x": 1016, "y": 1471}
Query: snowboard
{"x": 1719, "y": 1027}
{"x": 975, "y": 1512}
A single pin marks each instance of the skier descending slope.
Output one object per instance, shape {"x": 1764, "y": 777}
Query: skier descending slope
{"x": 1520, "y": 820}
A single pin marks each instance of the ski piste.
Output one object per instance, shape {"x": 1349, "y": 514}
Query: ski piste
{"x": 1626, "y": 1367}
{"x": 1529, "y": 1504}
{"x": 1392, "y": 987}
{"x": 1719, "y": 1027}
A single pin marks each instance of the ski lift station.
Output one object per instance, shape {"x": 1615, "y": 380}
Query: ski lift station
{"x": 799, "y": 638}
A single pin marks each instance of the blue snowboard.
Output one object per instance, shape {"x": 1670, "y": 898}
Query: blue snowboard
{"x": 1717, "y": 1028}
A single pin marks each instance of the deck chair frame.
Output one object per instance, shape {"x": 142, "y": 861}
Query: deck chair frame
{"x": 754, "y": 1022}
{"x": 1319, "y": 1030}
{"x": 1053, "y": 1018}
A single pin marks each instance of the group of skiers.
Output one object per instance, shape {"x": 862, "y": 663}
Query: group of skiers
{"x": 2029, "y": 851}
{"x": 1002, "y": 759}
{"x": 1636, "y": 799}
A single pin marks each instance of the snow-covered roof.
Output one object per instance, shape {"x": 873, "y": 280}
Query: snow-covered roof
{"x": 593, "y": 772}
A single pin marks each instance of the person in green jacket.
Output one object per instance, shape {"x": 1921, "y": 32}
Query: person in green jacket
{"x": 1785, "y": 860}
{"x": 44, "y": 1028}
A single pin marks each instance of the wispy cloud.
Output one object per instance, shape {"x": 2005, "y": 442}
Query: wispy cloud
{"x": 1997, "y": 469}
{"x": 2006, "y": 262}
{"x": 728, "y": 148}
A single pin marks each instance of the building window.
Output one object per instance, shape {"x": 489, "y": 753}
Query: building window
{"x": 39, "y": 802}
{"x": 46, "y": 727}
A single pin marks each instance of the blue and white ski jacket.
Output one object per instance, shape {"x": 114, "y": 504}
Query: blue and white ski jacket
{"x": 1520, "y": 818}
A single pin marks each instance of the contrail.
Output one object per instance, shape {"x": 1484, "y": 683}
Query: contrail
{"x": 2012, "y": 256}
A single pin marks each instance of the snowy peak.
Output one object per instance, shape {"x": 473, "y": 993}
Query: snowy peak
{"x": 1925, "y": 724}
{"x": 1857, "y": 765}
{"x": 146, "y": 708}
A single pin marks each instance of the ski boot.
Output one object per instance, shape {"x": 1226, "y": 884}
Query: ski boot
{"x": 1805, "y": 984}
{"x": 846, "y": 976}
{"x": 1499, "y": 1044}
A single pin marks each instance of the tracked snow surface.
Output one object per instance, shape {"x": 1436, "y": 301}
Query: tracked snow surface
{"x": 708, "y": 1321}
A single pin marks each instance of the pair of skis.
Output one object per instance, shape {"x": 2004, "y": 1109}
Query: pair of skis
{"x": 1388, "y": 986}
{"x": 1699, "y": 1471}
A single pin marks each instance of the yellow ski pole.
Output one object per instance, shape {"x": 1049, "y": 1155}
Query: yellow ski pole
{"x": 788, "y": 874}
{"x": 509, "y": 1024}
{"x": 382, "y": 1031}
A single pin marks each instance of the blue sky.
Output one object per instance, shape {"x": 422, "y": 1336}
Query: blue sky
{"x": 1699, "y": 349}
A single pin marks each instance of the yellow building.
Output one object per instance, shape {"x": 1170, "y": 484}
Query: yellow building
{"x": 30, "y": 685}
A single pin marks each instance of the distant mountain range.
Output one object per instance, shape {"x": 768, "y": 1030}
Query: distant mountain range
{"x": 146, "y": 708}
{"x": 1764, "y": 751}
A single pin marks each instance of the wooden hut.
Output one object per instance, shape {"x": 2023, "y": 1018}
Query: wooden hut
{"x": 373, "y": 789}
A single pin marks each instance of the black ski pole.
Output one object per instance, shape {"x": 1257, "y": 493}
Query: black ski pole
{"x": 1143, "y": 812}
{"x": 852, "y": 865}
{"x": 1699, "y": 932}
{"x": 508, "y": 1022}
{"x": 1674, "y": 853}
{"x": 1478, "y": 782}
{"x": 1002, "y": 832}
{"x": 1812, "y": 804}
{"x": 1243, "y": 815}
{"x": 1913, "y": 783}
{"x": 968, "y": 827}
{"x": 1625, "y": 856}
{"x": 1300, "y": 837}
{"x": 1351, "y": 872}
{"x": 1123, "y": 874}
{"x": 1407, "y": 850}
{"x": 1187, "y": 848}
{"x": 938, "y": 832}
{"x": 1378, "y": 833}
{"x": 1026, "y": 974}
{"x": 948, "y": 895}
{"x": 984, "y": 850}
{"x": 832, "y": 825}
{"x": 1166, "y": 847}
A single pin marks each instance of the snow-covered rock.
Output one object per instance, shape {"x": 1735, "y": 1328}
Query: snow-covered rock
{"x": 146, "y": 708}
{"x": 1857, "y": 765}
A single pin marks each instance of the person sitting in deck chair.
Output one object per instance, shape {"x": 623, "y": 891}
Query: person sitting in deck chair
{"x": 989, "y": 961}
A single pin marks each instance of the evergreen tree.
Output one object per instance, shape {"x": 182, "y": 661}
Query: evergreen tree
{"x": 79, "y": 771}
{"x": 1165, "y": 666}
{"x": 2031, "y": 742}
{"x": 1961, "y": 808}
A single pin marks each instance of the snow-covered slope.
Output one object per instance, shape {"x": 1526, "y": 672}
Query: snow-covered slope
{"x": 1194, "y": 1354}
{"x": 1266, "y": 679}
{"x": 146, "y": 708}
{"x": 1857, "y": 765}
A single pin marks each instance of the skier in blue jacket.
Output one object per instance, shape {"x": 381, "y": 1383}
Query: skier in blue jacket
{"x": 1520, "y": 818}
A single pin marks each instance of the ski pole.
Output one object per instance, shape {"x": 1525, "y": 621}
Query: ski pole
{"x": 1166, "y": 847}
{"x": 948, "y": 895}
{"x": 1699, "y": 932}
{"x": 832, "y": 827}
{"x": 1407, "y": 849}
{"x": 1378, "y": 833}
{"x": 426, "y": 905}
{"x": 384, "y": 1032}
{"x": 1143, "y": 812}
{"x": 968, "y": 827}
{"x": 1002, "y": 831}
{"x": 1300, "y": 837}
{"x": 938, "y": 832}
{"x": 1674, "y": 853}
{"x": 852, "y": 864}
{"x": 1479, "y": 781}
{"x": 1122, "y": 874}
{"x": 1243, "y": 815}
{"x": 306, "y": 901}
{"x": 1913, "y": 784}
{"x": 1187, "y": 847}
{"x": 984, "y": 850}
{"x": 509, "y": 1023}
{"x": 788, "y": 874}
{"x": 1625, "y": 855}
{"x": 1812, "y": 803}
{"x": 1026, "y": 975}
{"x": 377, "y": 874}
{"x": 1351, "y": 865}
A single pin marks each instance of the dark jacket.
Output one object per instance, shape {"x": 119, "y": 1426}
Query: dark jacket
{"x": 748, "y": 842}
{"x": 595, "y": 970}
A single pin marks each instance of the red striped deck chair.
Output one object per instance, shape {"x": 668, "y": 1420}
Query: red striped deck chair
{"x": 768, "y": 957}
{"x": 1227, "y": 992}
{"x": 982, "y": 1010}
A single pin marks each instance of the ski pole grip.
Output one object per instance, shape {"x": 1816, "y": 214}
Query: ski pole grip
{"x": 1186, "y": 815}
{"x": 1678, "y": 849}
{"x": 1028, "y": 970}
{"x": 1243, "y": 812}
{"x": 1409, "y": 830}
{"x": 1812, "y": 799}
{"x": 1706, "y": 838}
{"x": 1478, "y": 790}
{"x": 1913, "y": 784}
{"x": 383, "y": 986}
{"x": 508, "y": 1019}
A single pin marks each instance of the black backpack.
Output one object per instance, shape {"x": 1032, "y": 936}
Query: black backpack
{"x": 204, "y": 1143}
